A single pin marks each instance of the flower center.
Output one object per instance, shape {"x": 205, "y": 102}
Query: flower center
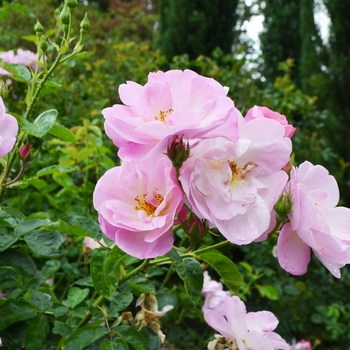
{"x": 149, "y": 206}
{"x": 163, "y": 115}
{"x": 240, "y": 173}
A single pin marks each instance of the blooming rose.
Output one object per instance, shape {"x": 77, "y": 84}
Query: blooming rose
{"x": 8, "y": 57}
{"x": 8, "y": 130}
{"x": 214, "y": 295}
{"x": 235, "y": 185}
{"x": 264, "y": 112}
{"x": 251, "y": 331}
{"x": 174, "y": 103}
{"x": 137, "y": 203}
{"x": 315, "y": 222}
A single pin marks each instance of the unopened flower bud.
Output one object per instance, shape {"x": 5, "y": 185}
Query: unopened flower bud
{"x": 25, "y": 154}
{"x": 85, "y": 24}
{"x": 71, "y": 3}
{"x": 64, "y": 15}
{"x": 283, "y": 205}
{"x": 178, "y": 151}
{"x": 38, "y": 28}
{"x": 43, "y": 46}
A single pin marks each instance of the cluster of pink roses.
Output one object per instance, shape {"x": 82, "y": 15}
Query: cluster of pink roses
{"x": 23, "y": 57}
{"x": 233, "y": 177}
{"x": 8, "y": 130}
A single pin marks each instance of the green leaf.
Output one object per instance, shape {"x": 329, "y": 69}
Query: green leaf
{"x": 62, "y": 133}
{"x": 14, "y": 311}
{"x": 55, "y": 169}
{"x": 151, "y": 337}
{"x": 42, "y": 301}
{"x": 119, "y": 302}
{"x": 62, "y": 329}
{"x": 98, "y": 273}
{"x": 268, "y": 291}
{"x": 29, "y": 225}
{"x": 116, "y": 344}
{"x": 86, "y": 224}
{"x": 18, "y": 261}
{"x": 42, "y": 124}
{"x": 46, "y": 243}
{"x": 83, "y": 337}
{"x": 141, "y": 284}
{"x": 19, "y": 72}
{"x": 85, "y": 281}
{"x": 191, "y": 273}
{"x": 7, "y": 240}
{"x": 36, "y": 333}
{"x": 76, "y": 296}
{"x": 63, "y": 227}
{"x": 227, "y": 270}
{"x": 174, "y": 255}
{"x": 132, "y": 337}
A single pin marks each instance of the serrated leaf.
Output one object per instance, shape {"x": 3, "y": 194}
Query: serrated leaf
{"x": 224, "y": 267}
{"x": 7, "y": 240}
{"x": 29, "y": 225}
{"x": 191, "y": 273}
{"x": 46, "y": 243}
{"x": 87, "y": 224}
{"x": 131, "y": 336}
{"x": 42, "y": 124}
{"x": 62, "y": 329}
{"x": 14, "y": 311}
{"x": 141, "y": 284}
{"x": 268, "y": 291}
{"x": 97, "y": 270}
{"x": 116, "y": 344}
{"x": 83, "y": 337}
{"x": 151, "y": 337}
{"x": 174, "y": 255}
{"x": 18, "y": 72}
{"x": 55, "y": 169}
{"x": 75, "y": 297}
{"x": 36, "y": 333}
{"x": 18, "y": 261}
{"x": 119, "y": 302}
{"x": 61, "y": 132}
{"x": 41, "y": 301}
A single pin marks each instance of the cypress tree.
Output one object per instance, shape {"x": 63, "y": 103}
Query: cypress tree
{"x": 196, "y": 27}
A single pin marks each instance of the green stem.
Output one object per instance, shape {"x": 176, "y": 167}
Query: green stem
{"x": 134, "y": 272}
{"x": 98, "y": 302}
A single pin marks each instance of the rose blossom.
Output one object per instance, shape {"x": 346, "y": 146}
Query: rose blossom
{"x": 214, "y": 295}
{"x": 251, "y": 331}
{"x": 8, "y": 130}
{"x": 174, "y": 103}
{"x": 264, "y": 112}
{"x": 315, "y": 222}
{"x": 137, "y": 203}
{"x": 235, "y": 185}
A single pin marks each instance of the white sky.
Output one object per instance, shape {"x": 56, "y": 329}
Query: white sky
{"x": 255, "y": 25}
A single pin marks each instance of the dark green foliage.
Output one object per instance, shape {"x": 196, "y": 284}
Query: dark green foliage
{"x": 196, "y": 27}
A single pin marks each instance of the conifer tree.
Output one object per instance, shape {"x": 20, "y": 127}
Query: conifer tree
{"x": 196, "y": 27}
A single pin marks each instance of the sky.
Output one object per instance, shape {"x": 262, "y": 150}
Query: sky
{"x": 255, "y": 25}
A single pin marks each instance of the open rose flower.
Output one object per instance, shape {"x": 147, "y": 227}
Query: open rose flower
{"x": 137, "y": 203}
{"x": 235, "y": 185}
{"x": 250, "y": 331}
{"x": 264, "y": 112}
{"x": 315, "y": 222}
{"x": 8, "y": 130}
{"x": 174, "y": 103}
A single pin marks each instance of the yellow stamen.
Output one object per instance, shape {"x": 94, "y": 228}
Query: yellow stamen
{"x": 163, "y": 115}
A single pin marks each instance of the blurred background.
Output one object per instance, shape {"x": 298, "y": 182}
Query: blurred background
{"x": 292, "y": 56}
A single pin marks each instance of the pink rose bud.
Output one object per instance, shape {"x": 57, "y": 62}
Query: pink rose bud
{"x": 178, "y": 151}
{"x": 25, "y": 153}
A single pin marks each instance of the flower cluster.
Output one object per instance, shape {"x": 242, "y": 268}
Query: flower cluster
{"x": 8, "y": 130}
{"x": 182, "y": 142}
{"x": 23, "y": 57}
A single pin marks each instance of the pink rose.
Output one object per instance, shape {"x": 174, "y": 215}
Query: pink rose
{"x": 250, "y": 331}
{"x": 8, "y": 57}
{"x": 137, "y": 203}
{"x": 8, "y": 130}
{"x": 214, "y": 295}
{"x": 235, "y": 185}
{"x": 26, "y": 58}
{"x": 315, "y": 222}
{"x": 174, "y": 103}
{"x": 264, "y": 112}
